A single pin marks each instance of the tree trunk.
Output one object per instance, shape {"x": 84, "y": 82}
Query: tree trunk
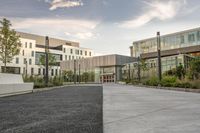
{"x": 4, "y": 70}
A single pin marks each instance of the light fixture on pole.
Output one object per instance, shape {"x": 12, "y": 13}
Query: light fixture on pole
{"x": 159, "y": 57}
{"x": 47, "y": 60}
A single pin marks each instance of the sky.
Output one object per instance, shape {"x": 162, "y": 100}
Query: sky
{"x": 106, "y": 26}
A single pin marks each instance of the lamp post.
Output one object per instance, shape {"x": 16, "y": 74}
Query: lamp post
{"x": 47, "y": 60}
{"x": 74, "y": 71}
{"x": 79, "y": 73}
{"x": 159, "y": 57}
{"x": 139, "y": 77}
{"x": 26, "y": 67}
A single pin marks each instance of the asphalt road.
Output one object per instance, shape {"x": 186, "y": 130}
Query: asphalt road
{"x": 131, "y": 109}
{"x": 65, "y": 110}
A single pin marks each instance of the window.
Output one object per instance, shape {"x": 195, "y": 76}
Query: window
{"x": 25, "y": 44}
{"x": 56, "y": 72}
{"x": 25, "y": 61}
{"x": 32, "y": 71}
{"x": 72, "y": 57}
{"x": 90, "y": 54}
{"x": 64, "y": 50}
{"x": 32, "y": 53}
{"x": 191, "y": 38}
{"x": 77, "y": 52}
{"x": 43, "y": 71}
{"x": 69, "y": 57}
{"x": 182, "y": 39}
{"x": 39, "y": 71}
{"x": 65, "y": 57}
{"x": 198, "y": 35}
{"x": 52, "y": 72}
{"x": 30, "y": 61}
{"x": 85, "y": 53}
{"x": 23, "y": 52}
{"x": 81, "y": 52}
{"x": 30, "y": 45}
{"x": 71, "y": 51}
{"x": 17, "y": 60}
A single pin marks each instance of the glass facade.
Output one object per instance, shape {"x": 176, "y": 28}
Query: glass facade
{"x": 168, "y": 63}
{"x": 172, "y": 41}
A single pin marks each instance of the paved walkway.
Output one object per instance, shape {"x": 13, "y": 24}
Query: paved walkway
{"x": 129, "y": 109}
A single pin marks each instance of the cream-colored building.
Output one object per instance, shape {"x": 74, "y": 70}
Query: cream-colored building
{"x": 33, "y": 46}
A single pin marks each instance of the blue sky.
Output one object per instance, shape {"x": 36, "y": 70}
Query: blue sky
{"x": 107, "y": 26}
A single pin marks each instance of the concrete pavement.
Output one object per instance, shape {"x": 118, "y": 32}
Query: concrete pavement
{"x": 129, "y": 109}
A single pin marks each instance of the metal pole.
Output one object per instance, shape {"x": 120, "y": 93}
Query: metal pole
{"x": 159, "y": 57}
{"x": 47, "y": 60}
{"x": 139, "y": 77}
{"x": 74, "y": 71}
{"x": 129, "y": 72}
{"x": 79, "y": 73}
{"x": 26, "y": 68}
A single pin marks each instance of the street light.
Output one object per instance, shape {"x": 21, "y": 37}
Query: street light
{"x": 139, "y": 77}
{"x": 47, "y": 60}
{"x": 159, "y": 57}
{"x": 74, "y": 71}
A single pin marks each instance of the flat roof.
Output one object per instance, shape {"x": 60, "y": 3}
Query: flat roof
{"x": 170, "y": 34}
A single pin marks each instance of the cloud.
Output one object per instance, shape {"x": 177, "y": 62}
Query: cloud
{"x": 76, "y": 29}
{"x": 156, "y": 9}
{"x": 65, "y": 4}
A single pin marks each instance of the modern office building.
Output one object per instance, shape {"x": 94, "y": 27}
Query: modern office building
{"x": 184, "y": 42}
{"x": 33, "y": 47}
{"x": 106, "y": 68}
{"x": 176, "y": 48}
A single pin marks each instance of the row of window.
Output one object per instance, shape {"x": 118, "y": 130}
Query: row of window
{"x": 54, "y": 72}
{"x": 25, "y": 61}
{"x": 26, "y": 45}
{"x": 77, "y": 52}
{"x": 41, "y": 71}
{"x": 72, "y": 57}
{"x": 168, "y": 42}
{"x": 32, "y": 53}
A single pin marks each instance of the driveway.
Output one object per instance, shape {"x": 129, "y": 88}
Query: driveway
{"x": 73, "y": 109}
{"x": 130, "y": 109}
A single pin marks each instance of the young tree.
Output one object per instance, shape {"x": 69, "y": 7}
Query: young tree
{"x": 195, "y": 68}
{"x": 52, "y": 60}
{"x": 68, "y": 74}
{"x": 9, "y": 43}
{"x": 85, "y": 76}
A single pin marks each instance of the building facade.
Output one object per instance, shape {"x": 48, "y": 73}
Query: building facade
{"x": 176, "y": 49}
{"x": 184, "y": 42}
{"x": 106, "y": 69}
{"x": 33, "y": 47}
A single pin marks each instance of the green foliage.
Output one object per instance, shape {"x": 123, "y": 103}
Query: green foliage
{"x": 85, "y": 77}
{"x": 9, "y": 43}
{"x": 52, "y": 60}
{"x": 68, "y": 75}
{"x": 180, "y": 71}
{"x": 168, "y": 81}
{"x": 171, "y": 72}
{"x": 39, "y": 82}
{"x": 152, "y": 81}
{"x": 194, "y": 70}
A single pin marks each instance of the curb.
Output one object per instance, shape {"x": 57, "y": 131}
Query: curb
{"x": 58, "y": 87}
{"x": 167, "y": 88}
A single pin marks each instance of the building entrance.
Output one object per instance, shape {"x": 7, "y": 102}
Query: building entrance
{"x": 107, "y": 78}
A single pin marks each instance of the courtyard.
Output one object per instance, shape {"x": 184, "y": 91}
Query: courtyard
{"x": 130, "y": 109}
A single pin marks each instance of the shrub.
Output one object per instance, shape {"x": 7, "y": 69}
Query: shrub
{"x": 168, "y": 81}
{"x": 152, "y": 81}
